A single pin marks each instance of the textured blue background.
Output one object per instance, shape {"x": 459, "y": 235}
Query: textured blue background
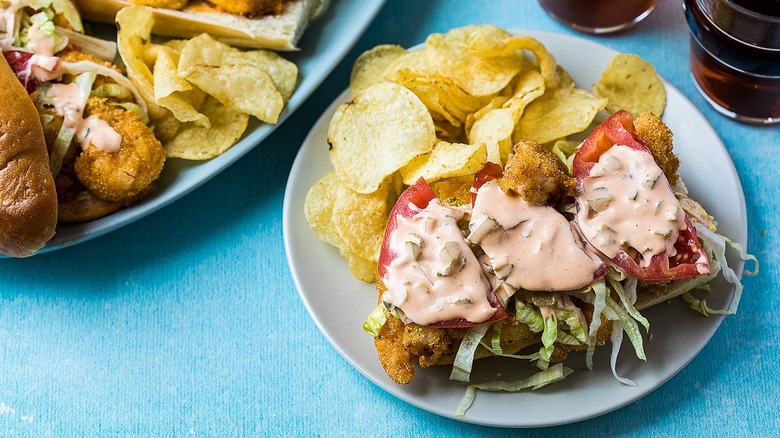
{"x": 187, "y": 323}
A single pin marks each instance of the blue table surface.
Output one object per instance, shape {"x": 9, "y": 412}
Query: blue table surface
{"x": 187, "y": 322}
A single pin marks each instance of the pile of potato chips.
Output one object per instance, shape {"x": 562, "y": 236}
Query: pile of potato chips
{"x": 196, "y": 89}
{"x": 443, "y": 112}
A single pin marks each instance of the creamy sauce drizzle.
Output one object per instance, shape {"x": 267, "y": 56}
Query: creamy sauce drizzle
{"x": 627, "y": 204}
{"x": 39, "y": 41}
{"x": 67, "y": 102}
{"x": 435, "y": 276}
{"x": 530, "y": 246}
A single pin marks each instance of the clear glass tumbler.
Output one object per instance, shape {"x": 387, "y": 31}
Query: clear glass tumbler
{"x": 735, "y": 56}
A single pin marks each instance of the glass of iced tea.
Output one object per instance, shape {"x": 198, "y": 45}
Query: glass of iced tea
{"x": 598, "y": 16}
{"x": 735, "y": 56}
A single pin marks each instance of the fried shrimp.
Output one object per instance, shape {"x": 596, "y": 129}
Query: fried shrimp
{"x": 249, "y": 8}
{"x": 658, "y": 138}
{"x": 536, "y": 174}
{"x": 164, "y": 4}
{"x": 128, "y": 174}
{"x": 400, "y": 346}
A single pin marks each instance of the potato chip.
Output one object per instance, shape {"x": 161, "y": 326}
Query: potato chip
{"x": 377, "y": 133}
{"x": 362, "y": 269}
{"x": 318, "y": 209}
{"x": 227, "y": 73}
{"x": 441, "y": 95}
{"x": 176, "y": 45}
{"x": 489, "y": 49}
{"x": 414, "y": 60}
{"x": 494, "y": 130}
{"x": 495, "y": 127}
{"x": 369, "y": 67}
{"x": 445, "y": 160}
{"x": 175, "y": 93}
{"x": 495, "y": 103}
{"x": 360, "y": 219}
{"x": 283, "y": 73}
{"x": 449, "y": 54}
{"x": 194, "y": 142}
{"x": 632, "y": 84}
{"x": 559, "y": 112}
{"x": 135, "y": 26}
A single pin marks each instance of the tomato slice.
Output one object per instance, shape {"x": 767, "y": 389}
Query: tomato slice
{"x": 491, "y": 171}
{"x": 420, "y": 194}
{"x": 691, "y": 259}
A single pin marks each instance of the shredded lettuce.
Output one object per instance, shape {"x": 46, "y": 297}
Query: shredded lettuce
{"x": 701, "y": 305}
{"x": 629, "y": 325}
{"x": 495, "y": 338}
{"x": 565, "y": 151}
{"x": 530, "y": 316}
{"x": 110, "y": 89}
{"x": 464, "y": 358}
{"x": 375, "y": 320}
{"x": 566, "y": 338}
{"x": 576, "y": 323}
{"x": 600, "y": 290}
{"x": 66, "y": 133}
{"x": 552, "y": 374}
{"x": 79, "y": 67}
{"x": 617, "y": 341}
{"x": 549, "y": 336}
{"x": 68, "y": 10}
{"x": 134, "y": 108}
{"x": 717, "y": 244}
{"x": 628, "y": 302}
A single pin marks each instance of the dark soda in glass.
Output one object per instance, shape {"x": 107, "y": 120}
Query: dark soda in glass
{"x": 598, "y": 16}
{"x": 735, "y": 56}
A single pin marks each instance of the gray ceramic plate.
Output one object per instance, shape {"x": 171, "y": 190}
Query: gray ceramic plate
{"x": 677, "y": 334}
{"x": 322, "y": 46}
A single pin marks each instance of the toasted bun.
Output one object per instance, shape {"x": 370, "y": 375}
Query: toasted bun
{"x": 277, "y": 32}
{"x": 28, "y": 200}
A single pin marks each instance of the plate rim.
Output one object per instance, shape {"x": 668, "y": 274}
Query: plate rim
{"x": 76, "y": 233}
{"x": 289, "y": 207}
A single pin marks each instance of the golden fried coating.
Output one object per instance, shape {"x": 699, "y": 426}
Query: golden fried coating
{"x": 400, "y": 346}
{"x": 128, "y": 174}
{"x": 71, "y": 54}
{"x": 427, "y": 344}
{"x": 394, "y": 358}
{"x": 76, "y": 203}
{"x": 536, "y": 174}
{"x": 658, "y": 138}
{"x": 455, "y": 190}
{"x": 165, "y": 4}
{"x": 249, "y": 8}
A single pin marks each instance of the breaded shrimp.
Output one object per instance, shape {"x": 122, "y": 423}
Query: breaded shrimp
{"x": 536, "y": 174}
{"x": 401, "y": 346}
{"x": 71, "y": 54}
{"x": 249, "y": 8}
{"x": 396, "y": 361}
{"x": 164, "y": 4}
{"x": 129, "y": 173}
{"x": 455, "y": 190}
{"x": 658, "y": 138}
